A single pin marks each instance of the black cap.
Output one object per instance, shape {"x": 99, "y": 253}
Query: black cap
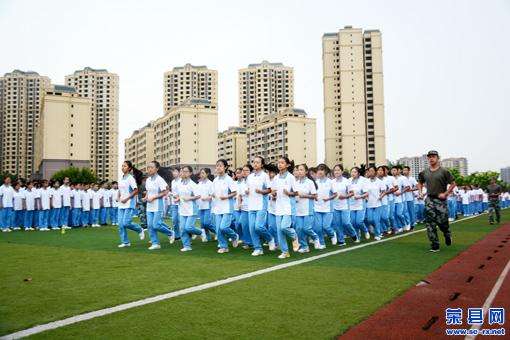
{"x": 432, "y": 153}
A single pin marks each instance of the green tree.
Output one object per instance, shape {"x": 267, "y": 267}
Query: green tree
{"x": 6, "y": 174}
{"x": 76, "y": 175}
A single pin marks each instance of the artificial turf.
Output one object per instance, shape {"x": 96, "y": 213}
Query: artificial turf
{"x": 83, "y": 271}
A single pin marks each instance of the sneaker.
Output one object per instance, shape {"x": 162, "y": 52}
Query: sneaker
{"x": 16, "y": 228}
{"x": 222, "y": 250}
{"x": 407, "y": 227}
{"x": 367, "y": 235}
{"x": 55, "y": 228}
{"x": 284, "y": 255}
{"x": 377, "y": 238}
{"x": 389, "y": 231}
{"x": 357, "y": 240}
{"x": 185, "y": 249}
{"x": 322, "y": 247}
{"x": 341, "y": 244}
{"x": 317, "y": 244}
{"x": 245, "y": 246}
{"x": 203, "y": 236}
{"x": 295, "y": 244}
{"x": 154, "y": 247}
{"x": 193, "y": 237}
{"x": 235, "y": 242}
{"x": 124, "y": 245}
{"x": 305, "y": 250}
{"x": 171, "y": 238}
{"x": 271, "y": 244}
{"x": 434, "y": 250}
{"x": 334, "y": 239}
{"x": 448, "y": 240}
{"x": 399, "y": 230}
{"x": 141, "y": 235}
{"x": 257, "y": 252}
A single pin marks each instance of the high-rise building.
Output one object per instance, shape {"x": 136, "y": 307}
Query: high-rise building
{"x": 189, "y": 81}
{"x": 287, "y": 133}
{"x": 353, "y": 97}
{"x": 187, "y": 135}
{"x": 417, "y": 163}
{"x": 62, "y": 135}
{"x": 264, "y": 89}
{"x": 102, "y": 87}
{"x": 21, "y": 95}
{"x": 139, "y": 148}
{"x": 459, "y": 163}
{"x": 505, "y": 174}
{"x": 232, "y": 146}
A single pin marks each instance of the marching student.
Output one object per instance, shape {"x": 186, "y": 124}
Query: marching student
{"x": 55, "y": 205}
{"x": 485, "y": 201}
{"x": 392, "y": 187}
{"x": 85, "y": 204}
{"x": 272, "y": 170}
{"x": 105, "y": 204}
{"x": 282, "y": 190}
{"x": 452, "y": 204}
{"x": 29, "y": 203}
{"x": 204, "y": 190}
{"x": 6, "y": 211}
{"x": 258, "y": 186}
{"x": 420, "y": 204}
{"x": 356, "y": 203}
{"x": 224, "y": 192}
{"x": 466, "y": 196}
{"x": 96, "y": 205}
{"x": 341, "y": 212}
{"x": 174, "y": 206}
{"x": 156, "y": 189}
{"x": 18, "y": 207}
{"x": 76, "y": 201}
{"x": 44, "y": 213}
{"x": 306, "y": 194}
{"x": 323, "y": 210}
{"x": 126, "y": 198}
{"x": 115, "y": 204}
{"x": 385, "y": 203}
{"x": 376, "y": 191}
{"x": 186, "y": 195}
{"x": 65, "y": 192}
{"x": 242, "y": 202}
{"x": 409, "y": 196}
{"x": 238, "y": 219}
{"x": 400, "y": 203}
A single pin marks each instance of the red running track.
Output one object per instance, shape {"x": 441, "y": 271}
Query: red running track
{"x": 464, "y": 282}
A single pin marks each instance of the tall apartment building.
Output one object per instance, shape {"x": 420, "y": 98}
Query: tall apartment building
{"x": 189, "y": 81}
{"x": 62, "y": 135}
{"x": 264, "y": 89}
{"x": 353, "y": 97}
{"x": 187, "y": 135}
{"x": 21, "y": 95}
{"x": 139, "y": 148}
{"x": 102, "y": 87}
{"x": 505, "y": 174}
{"x": 417, "y": 163}
{"x": 459, "y": 163}
{"x": 289, "y": 132}
{"x": 232, "y": 146}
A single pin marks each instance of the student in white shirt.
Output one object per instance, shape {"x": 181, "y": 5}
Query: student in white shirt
{"x": 376, "y": 191}
{"x": 485, "y": 200}
{"x": 341, "y": 212}
{"x": 282, "y": 191}
{"x": 174, "y": 206}
{"x": 409, "y": 196}
{"x": 466, "y": 201}
{"x": 204, "y": 203}
{"x": 115, "y": 205}
{"x": 306, "y": 194}
{"x": 385, "y": 203}
{"x": 18, "y": 206}
{"x": 6, "y": 201}
{"x": 272, "y": 171}
{"x": 323, "y": 208}
{"x": 420, "y": 204}
{"x": 65, "y": 192}
{"x": 44, "y": 213}
{"x": 403, "y": 186}
{"x": 356, "y": 203}
{"x": 126, "y": 198}
{"x": 186, "y": 195}
{"x": 104, "y": 202}
{"x": 85, "y": 204}
{"x": 96, "y": 205}
{"x": 56, "y": 205}
{"x": 224, "y": 193}
{"x": 156, "y": 189}
{"x": 76, "y": 212}
{"x": 29, "y": 203}
{"x": 241, "y": 219}
{"x": 392, "y": 186}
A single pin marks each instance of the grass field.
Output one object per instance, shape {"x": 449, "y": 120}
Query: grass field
{"x": 50, "y": 276}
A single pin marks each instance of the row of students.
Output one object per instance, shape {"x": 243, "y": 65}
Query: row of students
{"x": 44, "y": 205}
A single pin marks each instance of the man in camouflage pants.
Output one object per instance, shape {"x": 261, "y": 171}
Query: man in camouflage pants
{"x": 494, "y": 190}
{"x": 436, "y": 179}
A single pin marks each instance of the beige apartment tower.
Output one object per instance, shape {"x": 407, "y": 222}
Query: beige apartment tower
{"x": 264, "y": 89}
{"x": 189, "y": 81}
{"x": 353, "y": 97}
{"x": 187, "y": 135}
{"x": 63, "y": 132}
{"x": 139, "y": 148}
{"x": 102, "y": 87}
{"x": 232, "y": 146}
{"x": 21, "y": 95}
{"x": 289, "y": 133}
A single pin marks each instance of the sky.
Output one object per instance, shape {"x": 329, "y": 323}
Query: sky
{"x": 445, "y": 63}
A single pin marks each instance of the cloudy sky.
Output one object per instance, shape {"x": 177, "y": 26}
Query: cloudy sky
{"x": 446, "y": 68}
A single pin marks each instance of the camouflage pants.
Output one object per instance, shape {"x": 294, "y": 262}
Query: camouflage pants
{"x": 494, "y": 208}
{"x": 142, "y": 213}
{"x": 436, "y": 215}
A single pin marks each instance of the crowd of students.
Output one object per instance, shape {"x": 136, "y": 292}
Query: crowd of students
{"x": 259, "y": 205}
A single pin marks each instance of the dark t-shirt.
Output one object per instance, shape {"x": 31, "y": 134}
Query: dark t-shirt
{"x": 436, "y": 181}
{"x": 494, "y": 190}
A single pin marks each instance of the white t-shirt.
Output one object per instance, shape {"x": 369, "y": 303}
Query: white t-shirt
{"x": 18, "y": 200}
{"x": 223, "y": 186}
{"x": 85, "y": 199}
{"x": 390, "y": 183}
{"x": 412, "y": 184}
{"x": 174, "y": 184}
{"x": 56, "y": 198}
{"x": 465, "y": 197}
{"x": 257, "y": 180}
{"x": 113, "y": 196}
{"x": 485, "y": 198}
{"x": 271, "y": 207}
{"x": 374, "y": 188}
{"x": 402, "y": 182}
{"x": 77, "y": 197}
{"x": 204, "y": 190}
{"x": 29, "y": 196}
{"x": 186, "y": 189}
{"x": 107, "y": 198}
{"x": 7, "y": 193}
{"x": 358, "y": 187}
{"x": 96, "y": 199}
{"x": 44, "y": 195}
{"x": 283, "y": 204}
{"x": 154, "y": 186}
{"x": 241, "y": 194}
{"x": 65, "y": 192}
{"x": 304, "y": 206}
{"x": 127, "y": 184}
{"x": 325, "y": 190}
{"x": 341, "y": 186}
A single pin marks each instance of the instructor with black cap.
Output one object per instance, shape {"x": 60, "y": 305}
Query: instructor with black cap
{"x": 436, "y": 179}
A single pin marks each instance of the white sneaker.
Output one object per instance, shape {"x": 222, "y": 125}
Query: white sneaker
{"x": 302, "y": 251}
{"x": 222, "y": 250}
{"x": 357, "y": 240}
{"x": 124, "y": 245}
{"x": 203, "y": 236}
{"x": 257, "y": 253}
{"x": 272, "y": 246}
{"x": 154, "y": 247}
{"x": 17, "y": 228}
{"x": 377, "y": 238}
{"x": 407, "y": 227}
{"x": 7, "y": 230}
{"x": 322, "y": 247}
{"x": 171, "y": 238}
{"x": 246, "y": 246}
{"x": 317, "y": 244}
{"x": 185, "y": 249}
{"x": 334, "y": 239}
{"x": 141, "y": 235}
{"x": 55, "y": 228}
{"x": 400, "y": 230}
{"x": 367, "y": 235}
{"x": 193, "y": 237}
{"x": 284, "y": 256}
{"x": 235, "y": 242}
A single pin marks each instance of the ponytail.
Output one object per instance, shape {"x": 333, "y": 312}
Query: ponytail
{"x": 137, "y": 174}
